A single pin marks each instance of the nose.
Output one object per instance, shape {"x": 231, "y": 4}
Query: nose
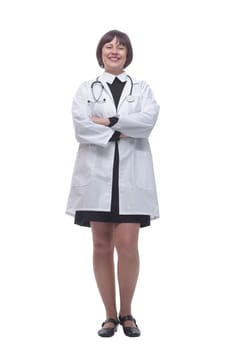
{"x": 114, "y": 50}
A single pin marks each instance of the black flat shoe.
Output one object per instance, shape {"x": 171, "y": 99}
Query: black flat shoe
{"x": 110, "y": 331}
{"x": 130, "y": 331}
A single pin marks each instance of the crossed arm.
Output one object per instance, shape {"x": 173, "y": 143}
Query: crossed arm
{"x": 101, "y": 120}
{"x": 108, "y": 122}
{"x": 99, "y": 130}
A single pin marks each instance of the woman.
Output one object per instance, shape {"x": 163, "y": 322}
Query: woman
{"x": 113, "y": 188}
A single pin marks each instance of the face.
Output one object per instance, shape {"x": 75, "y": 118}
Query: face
{"x": 114, "y": 56}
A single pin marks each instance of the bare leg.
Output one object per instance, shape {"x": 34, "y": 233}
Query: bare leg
{"x": 126, "y": 242}
{"x": 103, "y": 263}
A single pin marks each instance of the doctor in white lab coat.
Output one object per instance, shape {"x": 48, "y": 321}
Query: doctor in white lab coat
{"x": 103, "y": 128}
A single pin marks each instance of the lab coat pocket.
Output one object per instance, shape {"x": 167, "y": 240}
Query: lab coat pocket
{"x": 83, "y": 166}
{"x": 144, "y": 172}
{"x": 135, "y": 106}
{"x": 104, "y": 109}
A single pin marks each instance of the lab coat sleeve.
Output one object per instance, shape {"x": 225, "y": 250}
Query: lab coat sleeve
{"x": 86, "y": 131}
{"x": 115, "y": 136}
{"x": 141, "y": 123}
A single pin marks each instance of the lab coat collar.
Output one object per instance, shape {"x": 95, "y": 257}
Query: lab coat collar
{"x": 109, "y": 78}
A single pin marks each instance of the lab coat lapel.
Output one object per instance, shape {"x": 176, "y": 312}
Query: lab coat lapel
{"x": 106, "y": 87}
{"x": 125, "y": 93}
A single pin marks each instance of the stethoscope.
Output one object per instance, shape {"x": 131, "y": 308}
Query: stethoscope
{"x": 130, "y": 97}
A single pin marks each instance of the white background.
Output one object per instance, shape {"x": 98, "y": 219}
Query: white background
{"x": 183, "y": 49}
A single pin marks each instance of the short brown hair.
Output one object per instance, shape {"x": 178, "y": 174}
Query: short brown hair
{"x": 123, "y": 40}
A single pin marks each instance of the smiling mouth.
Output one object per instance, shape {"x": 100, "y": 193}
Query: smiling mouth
{"x": 113, "y": 58}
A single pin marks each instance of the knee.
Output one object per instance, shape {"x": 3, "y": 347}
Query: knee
{"x": 103, "y": 247}
{"x": 102, "y": 238}
{"x": 127, "y": 248}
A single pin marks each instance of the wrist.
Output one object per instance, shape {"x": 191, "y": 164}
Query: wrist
{"x": 107, "y": 121}
{"x": 113, "y": 120}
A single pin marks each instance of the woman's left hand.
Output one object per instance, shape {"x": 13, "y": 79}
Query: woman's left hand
{"x": 100, "y": 120}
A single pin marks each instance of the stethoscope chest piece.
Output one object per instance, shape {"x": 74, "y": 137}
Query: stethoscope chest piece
{"x": 130, "y": 98}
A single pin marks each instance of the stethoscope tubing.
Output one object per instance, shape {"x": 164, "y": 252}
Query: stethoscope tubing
{"x": 97, "y": 100}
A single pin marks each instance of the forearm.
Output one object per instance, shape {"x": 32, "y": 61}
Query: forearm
{"x": 137, "y": 125}
{"x": 88, "y": 132}
{"x": 108, "y": 122}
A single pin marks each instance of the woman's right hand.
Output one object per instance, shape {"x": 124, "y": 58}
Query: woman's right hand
{"x": 100, "y": 120}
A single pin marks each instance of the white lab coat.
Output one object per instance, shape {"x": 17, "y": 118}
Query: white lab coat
{"x": 91, "y": 184}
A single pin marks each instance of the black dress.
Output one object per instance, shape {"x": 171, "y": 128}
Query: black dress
{"x": 82, "y": 217}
